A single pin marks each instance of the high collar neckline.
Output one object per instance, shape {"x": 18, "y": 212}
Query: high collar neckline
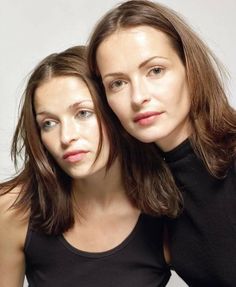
{"x": 178, "y": 152}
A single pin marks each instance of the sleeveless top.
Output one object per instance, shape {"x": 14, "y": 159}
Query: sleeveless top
{"x": 138, "y": 261}
{"x": 203, "y": 237}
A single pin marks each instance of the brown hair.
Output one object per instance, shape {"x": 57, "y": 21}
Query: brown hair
{"x": 46, "y": 188}
{"x": 213, "y": 119}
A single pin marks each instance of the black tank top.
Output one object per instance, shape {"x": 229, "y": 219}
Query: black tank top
{"x": 137, "y": 262}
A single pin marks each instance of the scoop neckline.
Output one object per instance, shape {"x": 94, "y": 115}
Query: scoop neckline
{"x": 106, "y": 253}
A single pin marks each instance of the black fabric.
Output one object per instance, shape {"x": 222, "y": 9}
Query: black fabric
{"x": 203, "y": 238}
{"x": 138, "y": 261}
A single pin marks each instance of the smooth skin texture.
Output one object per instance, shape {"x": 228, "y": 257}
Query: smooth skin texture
{"x": 13, "y": 228}
{"x": 67, "y": 122}
{"x": 146, "y": 88}
{"x": 65, "y": 115}
{"x": 69, "y": 129}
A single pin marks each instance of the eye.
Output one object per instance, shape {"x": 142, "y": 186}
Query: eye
{"x": 84, "y": 114}
{"x": 116, "y": 85}
{"x": 156, "y": 71}
{"x": 47, "y": 125}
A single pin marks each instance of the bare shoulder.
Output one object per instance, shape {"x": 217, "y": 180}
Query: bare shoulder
{"x": 12, "y": 219}
{"x": 7, "y": 200}
{"x": 13, "y": 230}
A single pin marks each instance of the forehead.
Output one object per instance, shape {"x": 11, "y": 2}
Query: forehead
{"x": 126, "y": 43}
{"x": 61, "y": 90}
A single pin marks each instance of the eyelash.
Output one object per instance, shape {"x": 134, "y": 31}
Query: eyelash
{"x": 81, "y": 114}
{"x": 84, "y": 114}
{"x": 112, "y": 86}
{"x": 160, "y": 71}
{"x": 44, "y": 126}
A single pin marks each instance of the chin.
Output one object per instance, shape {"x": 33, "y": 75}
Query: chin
{"x": 145, "y": 138}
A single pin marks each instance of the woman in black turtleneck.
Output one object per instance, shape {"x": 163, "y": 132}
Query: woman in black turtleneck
{"x": 203, "y": 237}
{"x": 163, "y": 84}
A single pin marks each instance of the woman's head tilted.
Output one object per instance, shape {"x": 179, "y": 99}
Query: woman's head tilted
{"x": 66, "y": 132}
{"x": 160, "y": 79}
{"x": 60, "y": 106}
{"x": 63, "y": 133}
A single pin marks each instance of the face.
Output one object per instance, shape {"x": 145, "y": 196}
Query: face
{"x": 69, "y": 127}
{"x": 146, "y": 86}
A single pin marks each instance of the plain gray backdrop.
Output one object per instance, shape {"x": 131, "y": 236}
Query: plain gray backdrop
{"x": 30, "y": 30}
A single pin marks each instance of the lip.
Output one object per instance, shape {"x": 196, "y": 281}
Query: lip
{"x": 74, "y": 156}
{"x": 146, "y": 118}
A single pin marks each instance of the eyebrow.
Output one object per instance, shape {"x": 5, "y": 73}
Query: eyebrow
{"x": 71, "y": 107}
{"x": 75, "y": 105}
{"x": 117, "y": 74}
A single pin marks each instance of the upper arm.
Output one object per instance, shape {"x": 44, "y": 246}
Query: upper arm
{"x": 13, "y": 229}
{"x": 166, "y": 246}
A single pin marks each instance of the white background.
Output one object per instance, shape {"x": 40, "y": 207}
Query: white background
{"x": 30, "y": 30}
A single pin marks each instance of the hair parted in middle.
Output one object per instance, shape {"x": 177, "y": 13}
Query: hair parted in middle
{"x": 212, "y": 118}
{"x": 46, "y": 188}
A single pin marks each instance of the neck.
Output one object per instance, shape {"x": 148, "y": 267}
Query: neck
{"x": 178, "y": 136}
{"x": 100, "y": 191}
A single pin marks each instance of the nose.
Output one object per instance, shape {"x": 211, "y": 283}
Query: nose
{"x": 69, "y": 133}
{"x": 139, "y": 93}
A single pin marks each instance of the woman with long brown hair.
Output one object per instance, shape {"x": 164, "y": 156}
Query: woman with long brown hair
{"x": 164, "y": 85}
{"x": 82, "y": 210}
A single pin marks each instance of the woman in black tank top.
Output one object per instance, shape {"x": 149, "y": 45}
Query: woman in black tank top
{"x": 83, "y": 210}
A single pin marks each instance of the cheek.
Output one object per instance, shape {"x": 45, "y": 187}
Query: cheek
{"x": 184, "y": 96}
{"x": 105, "y": 146}
{"x": 179, "y": 93}
{"x": 90, "y": 133}
{"x": 119, "y": 107}
{"x": 182, "y": 102}
{"x": 49, "y": 143}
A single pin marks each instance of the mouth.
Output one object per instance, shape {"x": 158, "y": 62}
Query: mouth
{"x": 146, "y": 118}
{"x": 74, "y": 156}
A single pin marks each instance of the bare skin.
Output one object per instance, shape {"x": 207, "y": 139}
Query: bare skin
{"x": 104, "y": 221}
{"x": 104, "y": 215}
{"x": 13, "y": 229}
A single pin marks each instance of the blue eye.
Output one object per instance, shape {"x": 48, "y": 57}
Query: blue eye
{"x": 84, "y": 114}
{"x": 47, "y": 125}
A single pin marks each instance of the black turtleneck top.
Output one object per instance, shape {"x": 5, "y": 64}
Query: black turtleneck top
{"x": 203, "y": 237}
